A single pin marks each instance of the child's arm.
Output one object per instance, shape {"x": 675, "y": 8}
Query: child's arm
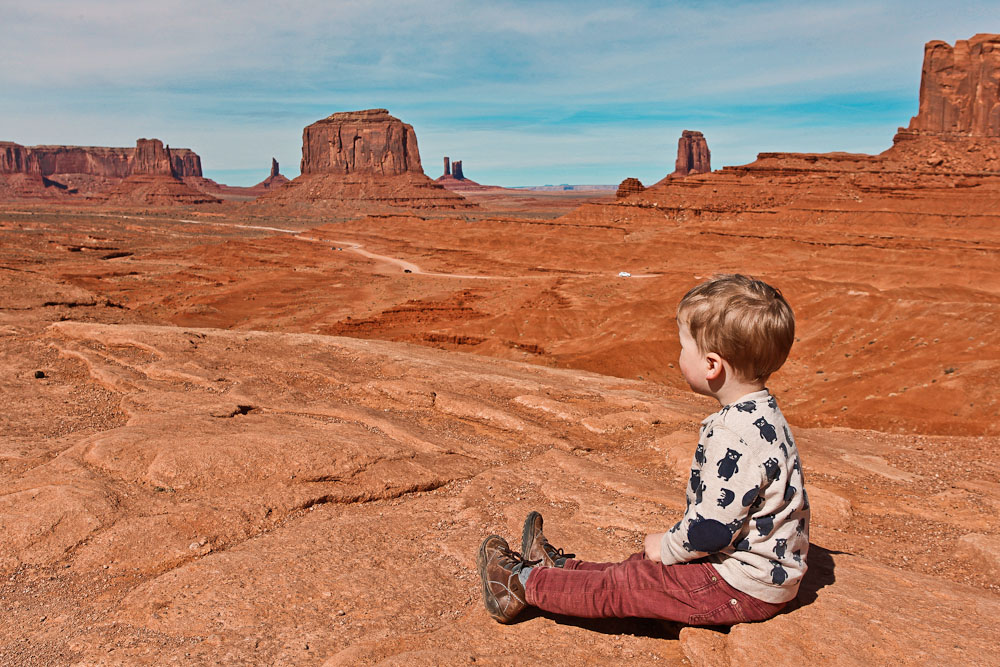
{"x": 652, "y": 545}
{"x": 726, "y": 479}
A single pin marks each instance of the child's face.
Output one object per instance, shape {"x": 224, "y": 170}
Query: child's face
{"x": 692, "y": 362}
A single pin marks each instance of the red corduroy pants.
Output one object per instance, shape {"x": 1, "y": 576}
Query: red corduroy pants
{"x": 690, "y": 593}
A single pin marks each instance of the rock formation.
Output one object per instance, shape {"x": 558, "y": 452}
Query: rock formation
{"x": 185, "y": 162}
{"x": 362, "y": 161}
{"x": 94, "y": 169}
{"x": 274, "y": 180}
{"x": 17, "y": 159}
{"x": 960, "y": 87}
{"x": 693, "y": 156}
{"x": 360, "y": 142}
{"x": 152, "y": 158}
{"x": 153, "y": 180}
{"x": 957, "y": 127}
{"x": 98, "y": 161}
{"x": 454, "y": 179}
{"x": 629, "y": 186}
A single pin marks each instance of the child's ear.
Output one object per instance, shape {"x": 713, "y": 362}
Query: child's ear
{"x": 713, "y": 365}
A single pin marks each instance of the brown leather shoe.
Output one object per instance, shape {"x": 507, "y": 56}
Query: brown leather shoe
{"x": 534, "y": 546}
{"x": 503, "y": 593}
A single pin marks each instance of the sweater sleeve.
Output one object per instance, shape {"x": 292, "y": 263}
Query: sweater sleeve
{"x": 725, "y": 482}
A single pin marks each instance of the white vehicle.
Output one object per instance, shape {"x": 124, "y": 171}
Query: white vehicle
{"x": 624, "y": 274}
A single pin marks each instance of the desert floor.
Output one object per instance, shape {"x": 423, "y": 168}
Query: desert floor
{"x": 233, "y": 437}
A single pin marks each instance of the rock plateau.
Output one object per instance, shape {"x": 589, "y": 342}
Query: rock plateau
{"x": 363, "y": 161}
{"x": 90, "y": 169}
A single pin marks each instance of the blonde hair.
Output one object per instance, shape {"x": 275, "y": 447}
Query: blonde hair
{"x": 745, "y": 321}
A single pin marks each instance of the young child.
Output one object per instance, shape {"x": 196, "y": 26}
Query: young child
{"x": 739, "y": 552}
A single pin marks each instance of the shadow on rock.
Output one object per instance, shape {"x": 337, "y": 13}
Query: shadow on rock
{"x": 636, "y": 627}
{"x": 819, "y": 575}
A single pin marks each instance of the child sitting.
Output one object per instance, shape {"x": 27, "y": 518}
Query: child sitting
{"x": 739, "y": 552}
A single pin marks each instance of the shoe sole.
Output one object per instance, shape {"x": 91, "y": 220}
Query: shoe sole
{"x": 528, "y": 532}
{"x": 489, "y": 600}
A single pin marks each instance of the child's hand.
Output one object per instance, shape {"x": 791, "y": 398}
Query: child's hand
{"x": 652, "y": 546}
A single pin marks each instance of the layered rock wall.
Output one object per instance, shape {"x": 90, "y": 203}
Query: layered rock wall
{"x": 960, "y": 87}
{"x": 360, "y": 142}
{"x": 152, "y": 158}
{"x": 99, "y": 161}
{"x": 185, "y": 162}
{"x": 17, "y": 159}
{"x": 628, "y": 187}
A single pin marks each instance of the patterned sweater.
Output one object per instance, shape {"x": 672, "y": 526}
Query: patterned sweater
{"x": 747, "y": 510}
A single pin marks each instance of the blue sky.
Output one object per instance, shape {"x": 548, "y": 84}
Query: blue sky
{"x": 523, "y": 93}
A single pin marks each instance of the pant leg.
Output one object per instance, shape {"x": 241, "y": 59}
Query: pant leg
{"x": 586, "y": 565}
{"x": 691, "y": 593}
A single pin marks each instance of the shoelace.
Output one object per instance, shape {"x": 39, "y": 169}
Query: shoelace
{"x": 558, "y": 553}
{"x": 518, "y": 558}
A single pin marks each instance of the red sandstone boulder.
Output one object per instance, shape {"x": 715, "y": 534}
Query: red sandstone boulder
{"x": 693, "y": 156}
{"x": 629, "y": 186}
{"x": 960, "y": 87}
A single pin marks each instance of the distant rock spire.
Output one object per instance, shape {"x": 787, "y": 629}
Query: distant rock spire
{"x": 693, "y": 156}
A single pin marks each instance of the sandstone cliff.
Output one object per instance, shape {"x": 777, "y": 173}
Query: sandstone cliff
{"x": 360, "y": 142}
{"x": 151, "y": 157}
{"x": 957, "y": 127}
{"x": 89, "y": 169}
{"x": 693, "y": 156}
{"x": 101, "y": 161}
{"x": 361, "y": 161}
{"x": 17, "y": 159}
{"x": 153, "y": 181}
{"x": 960, "y": 87}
